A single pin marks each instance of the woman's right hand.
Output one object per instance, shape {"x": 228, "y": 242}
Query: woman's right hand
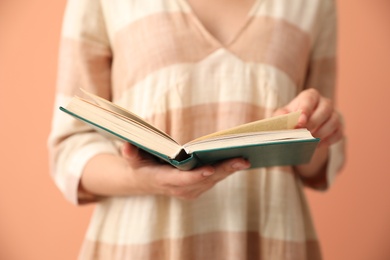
{"x": 137, "y": 173}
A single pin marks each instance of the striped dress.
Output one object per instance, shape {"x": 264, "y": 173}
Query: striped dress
{"x": 157, "y": 59}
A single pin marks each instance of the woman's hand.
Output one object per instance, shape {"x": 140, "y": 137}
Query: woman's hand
{"x": 137, "y": 173}
{"x": 154, "y": 178}
{"x": 318, "y": 116}
{"x": 322, "y": 120}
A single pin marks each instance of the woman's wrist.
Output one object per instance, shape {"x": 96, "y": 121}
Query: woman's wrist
{"x": 107, "y": 175}
{"x": 317, "y": 165}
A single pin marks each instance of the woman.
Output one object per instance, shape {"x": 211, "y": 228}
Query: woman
{"x": 191, "y": 68}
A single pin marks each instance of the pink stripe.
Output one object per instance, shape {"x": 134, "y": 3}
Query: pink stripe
{"x": 216, "y": 246}
{"x": 177, "y": 122}
{"x": 275, "y": 42}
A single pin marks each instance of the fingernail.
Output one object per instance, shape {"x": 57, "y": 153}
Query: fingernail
{"x": 302, "y": 121}
{"x": 238, "y": 166}
{"x": 207, "y": 173}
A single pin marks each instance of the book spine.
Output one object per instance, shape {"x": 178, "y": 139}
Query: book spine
{"x": 187, "y": 164}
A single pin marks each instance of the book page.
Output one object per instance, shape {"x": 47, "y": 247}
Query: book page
{"x": 123, "y": 127}
{"x": 108, "y": 105}
{"x": 243, "y": 139}
{"x": 281, "y": 122}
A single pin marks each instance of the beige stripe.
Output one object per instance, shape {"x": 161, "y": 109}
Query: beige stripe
{"x": 208, "y": 117}
{"x": 277, "y": 43}
{"x": 322, "y": 76}
{"x": 85, "y": 65}
{"x": 120, "y": 13}
{"x": 268, "y": 202}
{"x": 222, "y": 77}
{"x": 218, "y": 245}
{"x": 162, "y": 40}
{"x": 302, "y": 13}
{"x": 155, "y": 42}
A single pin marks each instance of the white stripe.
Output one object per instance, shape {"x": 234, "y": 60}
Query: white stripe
{"x": 178, "y": 86}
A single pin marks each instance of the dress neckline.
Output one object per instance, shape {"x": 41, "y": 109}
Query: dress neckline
{"x": 236, "y": 35}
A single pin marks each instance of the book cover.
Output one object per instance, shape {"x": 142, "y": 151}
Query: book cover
{"x": 265, "y": 143}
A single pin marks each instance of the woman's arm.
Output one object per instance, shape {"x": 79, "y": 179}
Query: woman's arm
{"x": 322, "y": 120}
{"x": 136, "y": 173}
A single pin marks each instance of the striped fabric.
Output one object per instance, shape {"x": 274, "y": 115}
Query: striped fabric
{"x": 158, "y": 60}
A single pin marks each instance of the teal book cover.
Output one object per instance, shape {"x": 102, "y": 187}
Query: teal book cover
{"x": 268, "y": 142}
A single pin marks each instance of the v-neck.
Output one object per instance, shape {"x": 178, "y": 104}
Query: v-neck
{"x": 213, "y": 38}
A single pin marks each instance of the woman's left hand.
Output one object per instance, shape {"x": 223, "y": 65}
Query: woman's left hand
{"x": 318, "y": 116}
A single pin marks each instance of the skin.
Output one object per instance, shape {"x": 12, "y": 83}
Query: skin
{"x": 222, "y": 18}
{"x": 136, "y": 173}
{"x": 322, "y": 120}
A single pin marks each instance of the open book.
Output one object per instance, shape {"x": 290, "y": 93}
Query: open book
{"x": 268, "y": 142}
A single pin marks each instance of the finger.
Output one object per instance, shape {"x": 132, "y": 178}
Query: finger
{"x": 130, "y": 151}
{"x": 306, "y": 102}
{"x": 177, "y": 178}
{"x": 188, "y": 193}
{"x": 191, "y": 184}
{"x": 226, "y": 168}
{"x": 328, "y": 127}
{"x": 336, "y": 137}
{"x": 281, "y": 111}
{"x": 193, "y": 189}
{"x": 206, "y": 173}
{"x": 321, "y": 114}
{"x": 333, "y": 138}
{"x": 288, "y": 109}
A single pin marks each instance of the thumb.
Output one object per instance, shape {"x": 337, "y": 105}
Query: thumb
{"x": 281, "y": 111}
{"x": 302, "y": 121}
{"x": 130, "y": 151}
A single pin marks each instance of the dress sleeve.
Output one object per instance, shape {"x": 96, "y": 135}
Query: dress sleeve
{"x": 84, "y": 62}
{"x": 322, "y": 76}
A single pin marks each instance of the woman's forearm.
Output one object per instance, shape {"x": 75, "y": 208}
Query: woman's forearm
{"x": 317, "y": 164}
{"x": 106, "y": 175}
{"x": 135, "y": 173}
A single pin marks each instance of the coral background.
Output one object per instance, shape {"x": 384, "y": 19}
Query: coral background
{"x": 352, "y": 218}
